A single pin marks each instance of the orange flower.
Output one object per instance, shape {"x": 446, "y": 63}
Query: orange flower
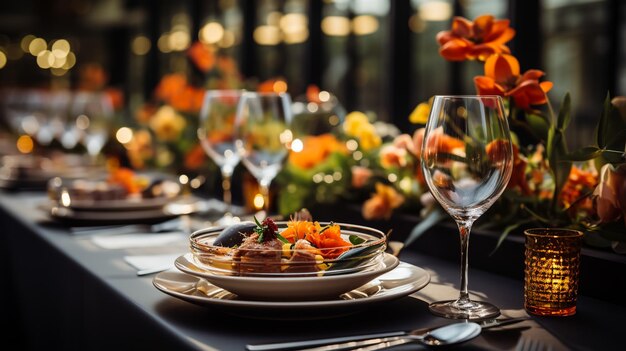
{"x": 170, "y": 85}
{"x": 202, "y": 56}
{"x": 518, "y": 175}
{"x": 502, "y": 77}
{"x": 382, "y": 204}
{"x": 315, "y": 150}
{"x": 188, "y": 99}
{"x": 313, "y": 93}
{"x": 437, "y": 141}
{"x": 610, "y": 194}
{"x": 297, "y": 230}
{"x": 578, "y": 181}
{"x": 360, "y": 176}
{"x": 327, "y": 239}
{"x": 392, "y": 156}
{"x": 273, "y": 86}
{"x": 145, "y": 113}
{"x": 92, "y": 76}
{"x": 116, "y": 96}
{"x": 227, "y": 65}
{"x": 469, "y": 40}
{"x": 195, "y": 158}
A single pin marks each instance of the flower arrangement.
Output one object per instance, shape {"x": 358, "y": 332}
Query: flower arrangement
{"x": 551, "y": 186}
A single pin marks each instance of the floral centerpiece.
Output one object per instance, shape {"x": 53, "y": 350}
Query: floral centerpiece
{"x": 165, "y": 128}
{"x": 551, "y": 186}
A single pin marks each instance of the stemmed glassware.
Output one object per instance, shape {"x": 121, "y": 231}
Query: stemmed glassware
{"x": 216, "y": 132}
{"x": 91, "y": 118}
{"x": 262, "y": 136}
{"x": 467, "y": 161}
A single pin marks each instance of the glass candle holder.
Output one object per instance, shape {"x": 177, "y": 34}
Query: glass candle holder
{"x": 552, "y": 261}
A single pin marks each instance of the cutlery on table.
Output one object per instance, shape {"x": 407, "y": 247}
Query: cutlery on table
{"x": 351, "y": 342}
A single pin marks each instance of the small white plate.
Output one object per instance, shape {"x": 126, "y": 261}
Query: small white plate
{"x": 403, "y": 280}
{"x": 288, "y": 288}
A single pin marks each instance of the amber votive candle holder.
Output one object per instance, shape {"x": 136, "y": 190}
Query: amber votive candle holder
{"x": 551, "y": 267}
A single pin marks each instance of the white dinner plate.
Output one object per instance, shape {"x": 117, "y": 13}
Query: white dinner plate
{"x": 403, "y": 280}
{"x": 288, "y": 288}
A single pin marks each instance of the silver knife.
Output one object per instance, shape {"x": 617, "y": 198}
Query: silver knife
{"x": 348, "y": 342}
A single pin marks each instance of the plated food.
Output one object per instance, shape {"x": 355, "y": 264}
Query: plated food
{"x": 34, "y": 171}
{"x": 300, "y": 247}
{"x": 120, "y": 189}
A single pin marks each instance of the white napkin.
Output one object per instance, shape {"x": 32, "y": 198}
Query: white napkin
{"x": 151, "y": 261}
{"x": 137, "y": 240}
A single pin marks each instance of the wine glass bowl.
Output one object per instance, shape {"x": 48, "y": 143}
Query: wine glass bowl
{"x": 263, "y": 135}
{"x": 216, "y": 132}
{"x": 467, "y": 160}
{"x": 91, "y": 118}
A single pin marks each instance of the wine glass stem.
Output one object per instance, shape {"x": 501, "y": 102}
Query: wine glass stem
{"x": 464, "y": 231}
{"x": 265, "y": 191}
{"x": 227, "y": 194}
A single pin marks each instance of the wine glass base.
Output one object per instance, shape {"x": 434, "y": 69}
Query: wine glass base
{"x": 472, "y": 310}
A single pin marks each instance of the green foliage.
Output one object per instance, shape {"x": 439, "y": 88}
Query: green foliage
{"x": 299, "y": 190}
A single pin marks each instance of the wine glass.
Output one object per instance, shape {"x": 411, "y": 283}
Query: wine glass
{"x": 216, "y": 132}
{"x": 91, "y": 119}
{"x": 467, "y": 160}
{"x": 263, "y": 134}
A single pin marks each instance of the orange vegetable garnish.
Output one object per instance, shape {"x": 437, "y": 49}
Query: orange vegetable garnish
{"x": 327, "y": 239}
{"x": 126, "y": 178}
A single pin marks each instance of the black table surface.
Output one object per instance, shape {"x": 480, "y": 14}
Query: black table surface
{"x": 61, "y": 291}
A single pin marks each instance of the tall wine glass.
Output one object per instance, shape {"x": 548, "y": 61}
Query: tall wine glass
{"x": 216, "y": 132}
{"x": 467, "y": 161}
{"x": 91, "y": 119}
{"x": 262, "y": 128}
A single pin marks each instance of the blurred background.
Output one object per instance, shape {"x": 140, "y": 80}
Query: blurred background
{"x": 378, "y": 56}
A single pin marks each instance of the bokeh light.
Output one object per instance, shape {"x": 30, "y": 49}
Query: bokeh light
{"x": 3, "y": 60}
{"x": 336, "y": 26}
{"x": 364, "y": 25}
{"x": 211, "y": 33}
{"x": 36, "y": 46}
{"x": 140, "y": 45}
{"x": 267, "y": 35}
{"x": 124, "y": 135}
{"x": 25, "y": 144}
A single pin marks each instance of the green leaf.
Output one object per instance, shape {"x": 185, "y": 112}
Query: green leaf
{"x": 604, "y": 124}
{"x": 539, "y": 126}
{"x": 565, "y": 115}
{"x": 584, "y": 154}
{"x": 435, "y": 216}
{"x": 356, "y": 240}
{"x": 506, "y": 232}
{"x": 282, "y": 238}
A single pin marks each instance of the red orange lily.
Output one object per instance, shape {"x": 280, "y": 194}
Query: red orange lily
{"x": 468, "y": 40}
{"x": 502, "y": 77}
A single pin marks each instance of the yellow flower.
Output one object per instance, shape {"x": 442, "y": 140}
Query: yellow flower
{"x": 167, "y": 124}
{"x": 368, "y": 139}
{"x": 354, "y": 121}
{"x": 421, "y": 112}
{"x": 357, "y": 125}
